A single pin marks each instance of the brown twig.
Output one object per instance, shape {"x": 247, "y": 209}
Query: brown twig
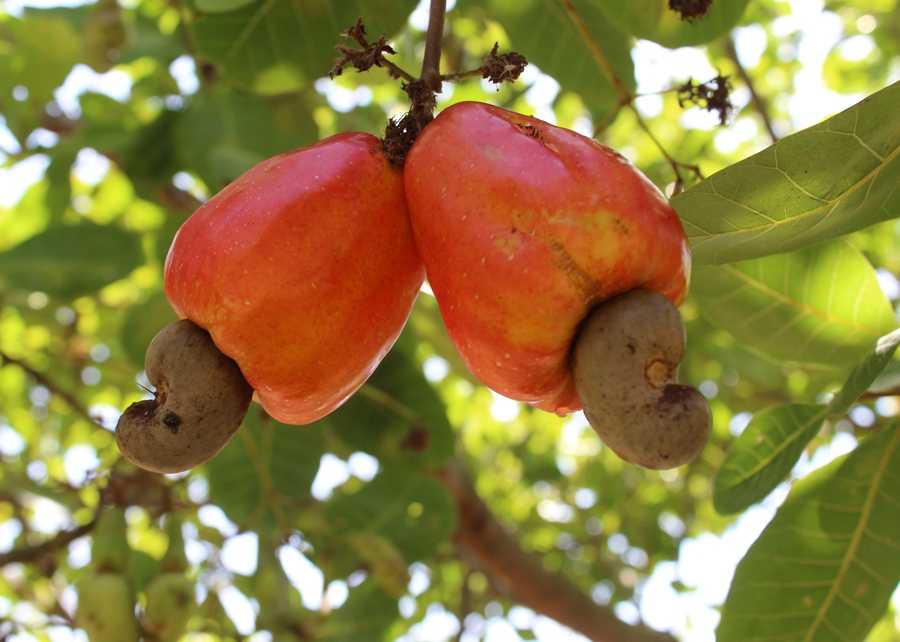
{"x": 32, "y": 553}
{"x": 522, "y": 576}
{"x": 515, "y": 573}
{"x": 758, "y": 103}
{"x": 608, "y": 120}
{"x": 869, "y": 395}
{"x": 422, "y": 92}
{"x": 51, "y": 386}
{"x": 434, "y": 38}
{"x": 456, "y": 76}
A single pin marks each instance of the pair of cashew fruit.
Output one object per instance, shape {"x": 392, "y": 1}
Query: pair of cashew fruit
{"x": 556, "y": 264}
{"x": 106, "y": 596}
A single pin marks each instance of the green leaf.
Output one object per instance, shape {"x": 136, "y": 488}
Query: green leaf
{"x": 382, "y": 560}
{"x": 149, "y": 158}
{"x": 267, "y": 465}
{"x": 865, "y": 374}
{"x": 143, "y": 568}
{"x": 72, "y": 261}
{"x": 396, "y": 414}
{"x": 28, "y": 60}
{"x": 827, "y": 564}
{"x": 223, "y": 135}
{"x": 220, "y": 6}
{"x": 148, "y": 41}
{"x": 888, "y": 380}
{"x": 764, "y": 454}
{"x": 414, "y": 513}
{"x": 543, "y": 32}
{"x": 653, "y": 20}
{"x": 59, "y": 188}
{"x": 821, "y": 305}
{"x": 277, "y": 46}
{"x": 364, "y": 617}
{"x": 829, "y": 180}
{"x": 144, "y": 322}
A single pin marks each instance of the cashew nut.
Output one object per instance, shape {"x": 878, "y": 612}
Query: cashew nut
{"x": 625, "y": 367}
{"x": 200, "y": 401}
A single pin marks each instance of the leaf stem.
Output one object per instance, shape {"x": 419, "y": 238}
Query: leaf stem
{"x": 608, "y": 120}
{"x": 675, "y": 164}
{"x": 384, "y": 399}
{"x": 625, "y": 96}
{"x": 601, "y": 59}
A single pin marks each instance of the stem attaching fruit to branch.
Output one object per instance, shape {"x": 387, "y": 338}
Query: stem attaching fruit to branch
{"x": 625, "y": 367}
{"x": 200, "y": 401}
{"x": 431, "y": 62}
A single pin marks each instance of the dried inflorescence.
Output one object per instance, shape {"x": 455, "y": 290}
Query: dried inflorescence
{"x": 371, "y": 54}
{"x": 691, "y": 10}
{"x": 713, "y": 95}
{"x": 503, "y": 68}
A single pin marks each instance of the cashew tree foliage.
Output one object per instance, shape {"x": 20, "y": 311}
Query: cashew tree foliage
{"x": 428, "y": 507}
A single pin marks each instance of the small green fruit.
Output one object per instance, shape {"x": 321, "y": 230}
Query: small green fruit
{"x": 106, "y": 608}
{"x": 170, "y": 604}
{"x": 110, "y": 552}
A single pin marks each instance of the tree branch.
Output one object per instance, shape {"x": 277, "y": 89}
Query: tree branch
{"x": 519, "y": 575}
{"x": 758, "y": 103}
{"x": 522, "y": 576}
{"x": 51, "y": 386}
{"x": 32, "y": 553}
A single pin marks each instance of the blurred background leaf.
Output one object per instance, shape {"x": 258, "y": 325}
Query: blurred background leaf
{"x": 278, "y": 46}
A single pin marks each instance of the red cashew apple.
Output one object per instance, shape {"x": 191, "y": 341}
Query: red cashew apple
{"x": 524, "y": 229}
{"x": 303, "y": 272}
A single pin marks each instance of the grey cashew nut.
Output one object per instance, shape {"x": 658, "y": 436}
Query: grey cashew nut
{"x": 625, "y": 367}
{"x": 200, "y": 401}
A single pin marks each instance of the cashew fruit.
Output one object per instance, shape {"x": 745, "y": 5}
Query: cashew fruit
{"x": 524, "y": 228}
{"x": 303, "y": 270}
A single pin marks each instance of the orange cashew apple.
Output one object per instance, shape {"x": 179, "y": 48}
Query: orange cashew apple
{"x": 303, "y": 272}
{"x": 524, "y": 229}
